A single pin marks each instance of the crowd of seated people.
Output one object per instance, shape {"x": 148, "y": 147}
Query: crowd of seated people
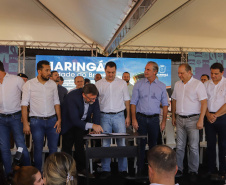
{"x": 59, "y": 169}
{"x": 112, "y": 105}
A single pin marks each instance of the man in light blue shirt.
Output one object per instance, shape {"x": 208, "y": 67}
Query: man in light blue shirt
{"x": 148, "y": 94}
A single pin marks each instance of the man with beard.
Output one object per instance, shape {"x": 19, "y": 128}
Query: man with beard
{"x": 77, "y": 109}
{"x": 45, "y": 116}
{"x": 62, "y": 91}
{"x": 126, "y": 77}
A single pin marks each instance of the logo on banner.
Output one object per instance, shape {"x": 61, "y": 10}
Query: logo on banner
{"x": 162, "y": 68}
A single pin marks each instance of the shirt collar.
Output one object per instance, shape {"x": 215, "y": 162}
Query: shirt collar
{"x": 116, "y": 79}
{"x": 222, "y": 79}
{"x": 189, "y": 81}
{"x": 155, "y": 81}
{"x": 36, "y": 80}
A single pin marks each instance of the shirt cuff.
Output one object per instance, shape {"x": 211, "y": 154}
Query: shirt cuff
{"x": 89, "y": 126}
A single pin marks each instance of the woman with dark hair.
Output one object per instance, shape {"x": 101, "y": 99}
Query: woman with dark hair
{"x": 60, "y": 169}
{"x": 27, "y": 175}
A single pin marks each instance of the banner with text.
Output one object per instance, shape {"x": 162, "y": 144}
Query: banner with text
{"x": 71, "y": 66}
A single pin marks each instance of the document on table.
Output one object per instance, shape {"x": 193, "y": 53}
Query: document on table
{"x": 97, "y": 135}
{"x": 118, "y": 134}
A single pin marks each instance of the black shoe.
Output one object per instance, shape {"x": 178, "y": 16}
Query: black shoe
{"x": 217, "y": 176}
{"x": 123, "y": 174}
{"x": 179, "y": 174}
{"x": 105, "y": 175}
{"x": 222, "y": 174}
{"x": 193, "y": 177}
{"x": 83, "y": 173}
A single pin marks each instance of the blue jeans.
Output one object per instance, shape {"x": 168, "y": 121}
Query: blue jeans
{"x": 151, "y": 127}
{"x": 212, "y": 130}
{"x": 186, "y": 127}
{"x": 115, "y": 122}
{"x": 40, "y": 128}
{"x": 13, "y": 124}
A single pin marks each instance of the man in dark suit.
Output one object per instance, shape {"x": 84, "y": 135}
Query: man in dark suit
{"x": 77, "y": 109}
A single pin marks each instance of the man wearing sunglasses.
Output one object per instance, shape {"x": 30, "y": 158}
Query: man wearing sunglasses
{"x": 77, "y": 109}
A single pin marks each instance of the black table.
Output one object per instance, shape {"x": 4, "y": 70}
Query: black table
{"x": 112, "y": 152}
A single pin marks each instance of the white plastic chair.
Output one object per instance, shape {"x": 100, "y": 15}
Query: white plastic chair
{"x": 203, "y": 144}
{"x": 170, "y": 134}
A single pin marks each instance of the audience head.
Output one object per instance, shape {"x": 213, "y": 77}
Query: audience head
{"x": 2, "y": 69}
{"x": 184, "y": 72}
{"x": 126, "y": 77}
{"x": 151, "y": 70}
{"x": 110, "y": 70}
{"x": 97, "y": 77}
{"x": 27, "y": 175}
{"x": 61, "y": 80}
{"x": 87, "y": 81}
{"x": 44, "y": 70}
{"x": 204, "y": 78}
{"x": 216, "y": 72}
{"x": 23, "y": 76}
{"x": 162, "y": 163}
{"x": 55, "y": 76}
{"x": 60, "y": 169}
{"x": 90, "y": 93}
{"x": 79, "y": 82}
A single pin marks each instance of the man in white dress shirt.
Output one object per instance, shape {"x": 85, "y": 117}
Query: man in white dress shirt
{"x": 215, "y": 121}
{"x": 162, "y": 165}
{"x": 45, "y": 117}
{"x": 10, "y": 117}
{"x": 190, "y": 104}
{"x": 113, "y": 99}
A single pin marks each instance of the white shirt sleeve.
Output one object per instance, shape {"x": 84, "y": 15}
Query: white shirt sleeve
{"x": 174, "y": 92}
{"x": 56, "y": 96}
{"x": 26, "y": 94}
{"x": 126, "y": 96}
{"x": 20, "y": 83}
{"x": 201, "y": 92}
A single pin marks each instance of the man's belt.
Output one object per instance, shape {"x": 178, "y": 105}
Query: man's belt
{"x": 8, "y": 115}
{"x": 112, "y": 112}
{"x": 43, "y": 118}
{"x": 188, "y": 116}
{"x": 148, "y": 116}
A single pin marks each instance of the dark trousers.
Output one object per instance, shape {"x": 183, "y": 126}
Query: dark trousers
{"x": 212, "y": 129}
{"x": 151, "y": 127}
{"x": 75, "y": 137}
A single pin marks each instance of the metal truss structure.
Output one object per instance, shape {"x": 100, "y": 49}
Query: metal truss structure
{"x": 165, "y": 50}
{"x": 137, "y": 12}
{"x": 22, "y": 45}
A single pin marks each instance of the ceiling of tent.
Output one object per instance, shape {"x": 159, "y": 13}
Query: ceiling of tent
{"x": 76, "y": 21}
{"x": 96, "y": 20}
{"x": 198, "y": 24}
{"x": 26, "y": 20}
{"x": 168, "y": 23}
